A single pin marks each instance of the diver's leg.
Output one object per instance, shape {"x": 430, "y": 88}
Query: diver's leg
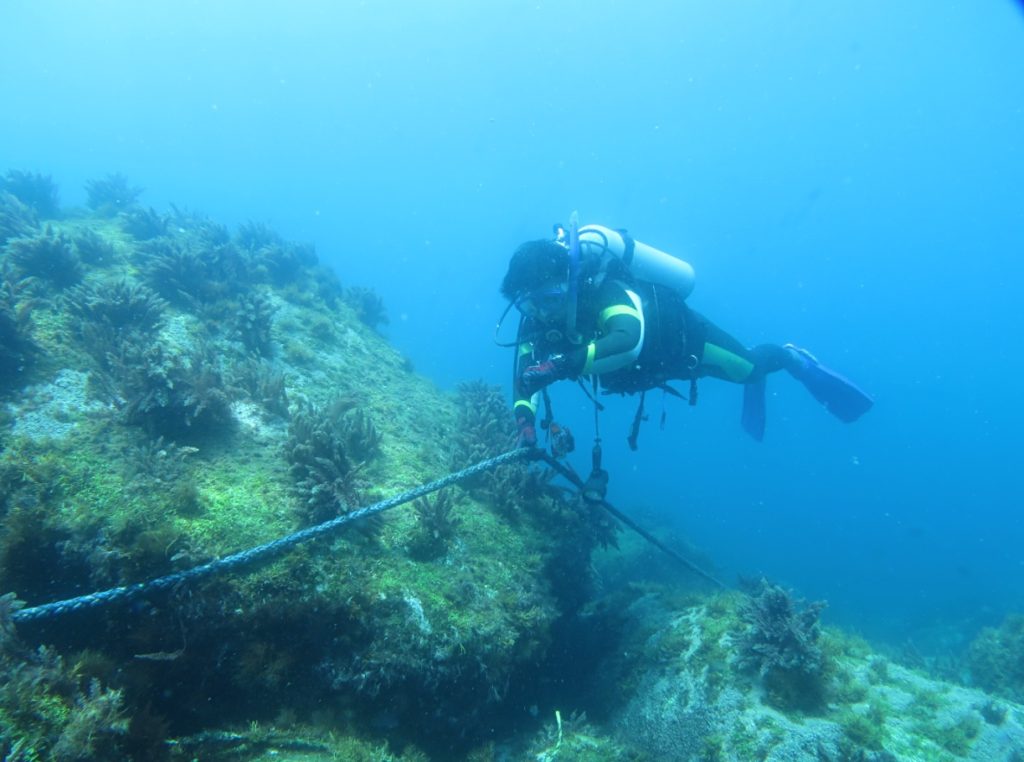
{"x": 723, "y": 356}
{"x": 726, "y": 358}
{"x": 769, "y": 358}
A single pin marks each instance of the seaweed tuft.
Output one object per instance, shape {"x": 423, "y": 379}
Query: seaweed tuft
{"x": 49, "y": 257}
{"x": 111, "y": 195}
{"x": 143, "y": 224}
{"x": 368, "y": 305}
{"x": 16, "y": 219}
{"x": 190, "y": 277}
{"x": 253, "y": 320}
{"x": 36, "y": 191}
{"x": 180, "y": 397}
{"x": 264, "y": 384}
{"x": 436, "y": 525}
{"x": 93, "y": 248}
{"x": 111, "y": 315}
{"x": 326, "y": 448}
{"x": 17, "y": 348}
{"x": 780, "y": 643}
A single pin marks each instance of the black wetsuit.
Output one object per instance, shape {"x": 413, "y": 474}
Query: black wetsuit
{"x": 638, "y": 337}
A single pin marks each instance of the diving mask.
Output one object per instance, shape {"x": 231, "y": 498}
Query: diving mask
{"x": 544, "y": 303}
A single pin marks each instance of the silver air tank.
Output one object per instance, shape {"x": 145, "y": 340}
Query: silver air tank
{"x": 644, "y": 262}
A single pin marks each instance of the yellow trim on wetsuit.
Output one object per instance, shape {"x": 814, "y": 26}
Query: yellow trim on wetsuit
{"x": 525, "y": 348}
{"x": 589, "y": 363}
{"x": 617, "y": 309}
{"x": 527, "y": 404}
{"x": 732, "y": 366}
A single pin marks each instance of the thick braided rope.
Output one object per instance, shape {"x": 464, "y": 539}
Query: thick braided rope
{"x": 263, "y": 552}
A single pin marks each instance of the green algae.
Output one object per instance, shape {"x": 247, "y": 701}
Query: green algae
{"x": 445, "y": 634}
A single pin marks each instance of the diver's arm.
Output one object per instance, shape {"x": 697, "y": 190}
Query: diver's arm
{"x": 524, "y": 402}
{"x": 618, "y": 333}
{"x": 617, "y": 347}
{"x": 619, "y": 337}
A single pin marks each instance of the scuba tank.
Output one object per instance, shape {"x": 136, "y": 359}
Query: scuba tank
{"x": 602, "y": 245}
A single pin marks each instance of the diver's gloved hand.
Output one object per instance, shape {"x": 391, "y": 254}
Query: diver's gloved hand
{"x": 527, "y": 433}
{"x": 536, "y": 377}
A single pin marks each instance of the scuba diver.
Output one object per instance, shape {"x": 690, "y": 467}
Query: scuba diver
{"x": 595, "y": 302}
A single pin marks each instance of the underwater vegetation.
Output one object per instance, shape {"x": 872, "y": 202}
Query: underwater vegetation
{"x": 263, "y": 383}
{"x": 111, "y": 194}
{"x": 995, "y": 658}
{"x": 781, "y": 645}
{"x": 16, "y": 345}
{"x": 49, "y": 710}
{"x": 172, "y": 394}
{"x": 16, "y": 219}
{"x": 193, "y": 277}
{"x": 368, "y": 305}
{"x": 93, "y": 248}
{"x": 327, "y": 447}
{"x": 175, "y": 392}
{"x": 253, "y": 321}
{"x": 113, "y": 316}
{"x": 144, "y": 224}
{"x": 38, "y": 192}
{"x": 49, "y": 257}
{"x": 437, "y": 525}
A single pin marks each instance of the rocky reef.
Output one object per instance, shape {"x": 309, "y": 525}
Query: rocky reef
{"x": 173, "y": 393}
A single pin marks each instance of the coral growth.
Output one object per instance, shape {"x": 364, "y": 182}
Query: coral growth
{"x": 780, "y": 644}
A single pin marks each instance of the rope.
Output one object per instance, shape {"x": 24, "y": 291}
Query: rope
{"x": 573, "y": 477}
{"x": 261, "y": 552}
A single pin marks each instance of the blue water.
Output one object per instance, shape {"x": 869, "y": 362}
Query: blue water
{"x": 847, "y": 177}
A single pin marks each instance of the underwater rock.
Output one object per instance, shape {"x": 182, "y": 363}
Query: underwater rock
{"x": 51, "y": 411}
{"x": 694, "y": 700}
{"x": 235, "y": 398}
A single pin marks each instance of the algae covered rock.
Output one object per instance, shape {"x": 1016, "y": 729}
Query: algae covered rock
{"x": 202, "y": 395}
{"x": 184, "y": 394}
{"x": 693, "y": 697}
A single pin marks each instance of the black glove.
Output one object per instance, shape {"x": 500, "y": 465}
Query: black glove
{"x": 536, "y": 377}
